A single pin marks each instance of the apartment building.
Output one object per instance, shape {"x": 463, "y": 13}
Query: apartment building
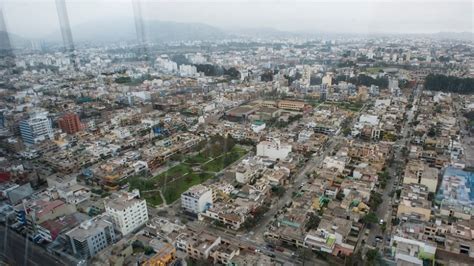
{"x": 91, "y": 236}
{"x": 127, "y": 211}
{"x": 36, "y": 129}
{"x": 196, "y": 199}
{"x": 417, "y": 172}
{"x": 70, "y": 123}
{"x": 414, "y": 203}
{"x": 273, "y": 149}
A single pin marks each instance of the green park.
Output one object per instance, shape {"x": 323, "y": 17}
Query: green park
{"x": 207, "y": 160}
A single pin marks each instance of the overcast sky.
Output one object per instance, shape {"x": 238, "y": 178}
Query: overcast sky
{"x": 36, "y": 18}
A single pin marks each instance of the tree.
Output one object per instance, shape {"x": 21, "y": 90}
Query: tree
{"x": 375, "y": 200}
{"x": 373, "y": 257}
{"x": 232, "y": 72}
{"x": 313, "y": 222}
{"x": 431, "y": 196}
{"x": 444, "y": 83}
{"x": 370, "y": 218}
{"x": 267, "y": 76}
{"x": 383, "y": 227}
{"x": 278, "y": 191}
{"x": 148, "y": 250}
{"x": 340, "y": 195}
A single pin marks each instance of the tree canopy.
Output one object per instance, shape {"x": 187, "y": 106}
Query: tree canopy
{"x": 444, "y": 83}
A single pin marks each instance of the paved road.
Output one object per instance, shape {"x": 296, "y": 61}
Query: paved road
{"x": 465, "y": 137}
{"x": 384, "y": 211}
{"x": 20, "y": 251}
{"x": 300, "y": 177}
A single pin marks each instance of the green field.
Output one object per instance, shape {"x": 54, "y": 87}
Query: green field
{"x": 223, "y": 161}
{"x": 182, "y": 176}
{"x": 173, "y": 189}
{"x": 373, "y": 70}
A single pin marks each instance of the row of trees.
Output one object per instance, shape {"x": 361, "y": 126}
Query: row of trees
{"x": 365, "y": 80}
{"x": 213, "y": 70}
{"x": 444, "y": 83}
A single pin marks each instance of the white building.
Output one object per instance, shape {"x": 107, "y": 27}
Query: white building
{"x": 36, "y": 129}
{"x": 127, "y": 210}
{"x": 258, "y": 126}
{"x": 91, "y": 236}
{"x": 327, "y": 80}
{"x": 305, "y": 135}
{"x": 273, "y": 149}
{"x": 187, "y": 70}
{"x": 196, "y": 199}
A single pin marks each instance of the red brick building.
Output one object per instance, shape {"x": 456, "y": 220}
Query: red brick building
{"x": 70, "y": 123}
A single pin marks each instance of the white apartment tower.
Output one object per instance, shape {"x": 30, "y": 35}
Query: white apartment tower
{"x": 36, "y": 129}
{"x": 127, "y": 211}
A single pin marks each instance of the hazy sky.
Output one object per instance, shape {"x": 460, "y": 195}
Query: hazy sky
{"x": 36, "y": 18}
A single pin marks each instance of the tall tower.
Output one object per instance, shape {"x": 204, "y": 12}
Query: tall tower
{"x": 64, "y": 25}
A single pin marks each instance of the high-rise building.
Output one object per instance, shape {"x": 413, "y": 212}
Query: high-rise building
{"x": 91, "y": 236}
{"x": 70, "y": 123}
{"x": 127, "y": 210}
{"x": 36, "y": 129}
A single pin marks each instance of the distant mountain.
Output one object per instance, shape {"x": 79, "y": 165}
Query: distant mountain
{"x": 263, "y": 33}
{"x": 465, "y": 36}
{"x": 155, "y": 31}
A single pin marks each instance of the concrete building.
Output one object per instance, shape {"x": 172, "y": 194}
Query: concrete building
{"x": 412, "y": 252}
{"x": 127, "y": 211}
{"x": 36, "y": 129}
{"x": 196, "y": 199}
{"x": 91, "y": 236}
{"x": 414, "y": 203}
{"x": 70, "y": 123}
{"x": 417, "y": 172}
{"x": 273, "y": 149}
{"x": 165, "y": 255}
{"x": 291, "y": 105}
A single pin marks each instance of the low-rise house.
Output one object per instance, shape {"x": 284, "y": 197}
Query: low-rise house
{"x": 412, "y": 252}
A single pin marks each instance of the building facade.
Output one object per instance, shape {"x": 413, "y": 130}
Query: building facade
{"x": 70, "y": 123}
{"x": 127, "y": 211}
{"x": 91, "y": 236}
{"x": 36, "y": 129}
{"x": 196, "y": 199}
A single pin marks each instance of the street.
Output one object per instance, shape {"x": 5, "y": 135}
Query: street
{"x": 384, "y": 211}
